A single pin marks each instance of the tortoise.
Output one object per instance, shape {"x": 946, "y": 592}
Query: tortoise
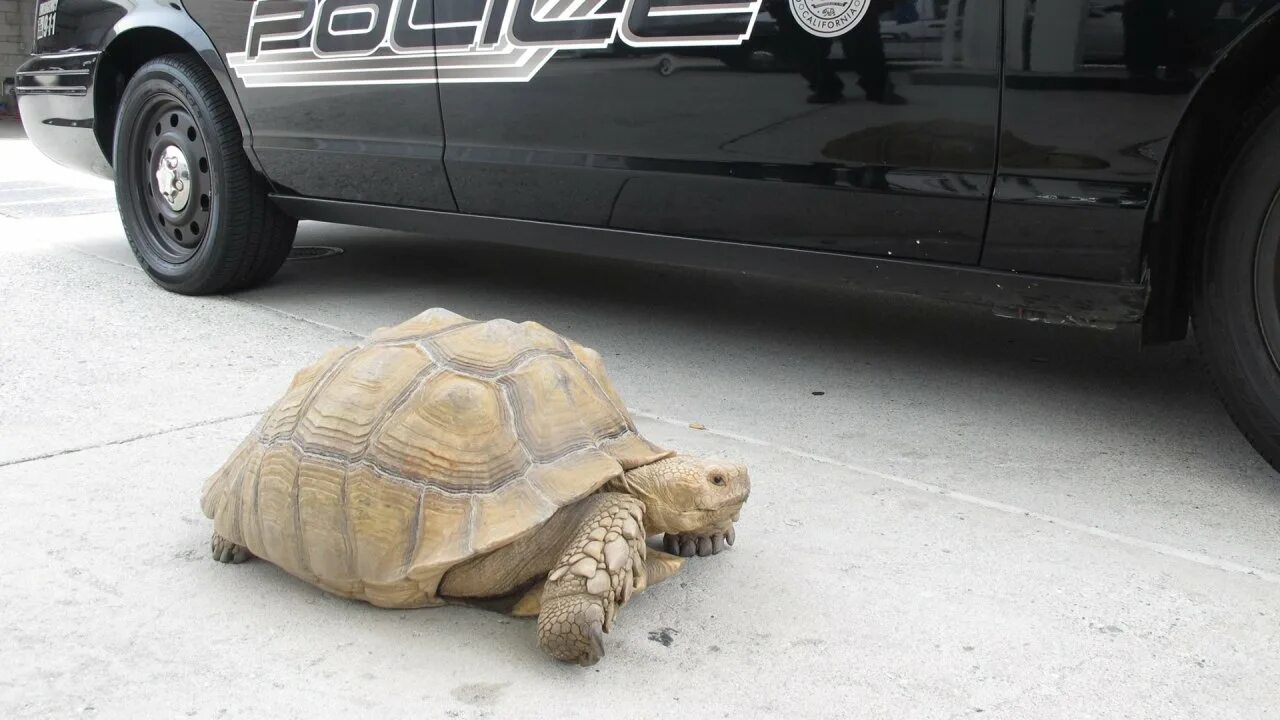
{"x": 445, "y": 460}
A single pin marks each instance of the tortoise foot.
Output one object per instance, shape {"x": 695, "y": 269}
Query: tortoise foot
{"x": 571, "y": 628}
{"x": 598, "y": 572}
{"x": 225, "y": 551}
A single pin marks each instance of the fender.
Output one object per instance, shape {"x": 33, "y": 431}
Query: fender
{"x": 1188, "y": 170}
{"x": 173, "y": 18}
{"x": 1242, "y": 44}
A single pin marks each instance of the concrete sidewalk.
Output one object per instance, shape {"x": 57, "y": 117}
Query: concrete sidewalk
{"x": 975, "y": 518}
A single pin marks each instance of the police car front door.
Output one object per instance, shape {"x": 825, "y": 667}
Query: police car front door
{"x": 846, "y": 125}
{"x": 340, "y": 95}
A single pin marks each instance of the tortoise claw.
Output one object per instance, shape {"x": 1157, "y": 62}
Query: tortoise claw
{"x": 225, "y": 551}
{"x": 671, "y": 543}
{"x": 690, "y": 544}
{"x": 594, "y": 649}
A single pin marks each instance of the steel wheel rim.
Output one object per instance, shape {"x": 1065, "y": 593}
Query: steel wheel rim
{"x": 174, "y": 177}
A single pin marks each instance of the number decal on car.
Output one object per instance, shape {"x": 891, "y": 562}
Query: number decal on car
{"x": 46, "y": 19}
{"x": 354, "y": 42}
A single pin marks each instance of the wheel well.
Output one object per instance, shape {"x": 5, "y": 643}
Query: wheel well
{"x": 1197, "y": 157}
{"x": 122, "y": 58}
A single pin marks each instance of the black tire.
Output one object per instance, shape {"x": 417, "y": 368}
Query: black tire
{"x": 225, "y": 233}
{"x": 1236, "y": 305}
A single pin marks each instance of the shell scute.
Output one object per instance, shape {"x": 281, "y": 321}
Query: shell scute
{"x": 506, "y": 513}
{"x": 241, "y": 520}
{"x": 344, "y": 414}
{"x": 444, "y": 533}
{"x": 492, "y": 348}
{"x": 558, "y": 408}
{"x": 382, "y": 518}
{"x": 326, "y": 550}
{"x": 562, "y": 480}
{"x": 454, "y": 433}
{"x": 277, "y": 483}
{"x": 425, "y": 323}
{"x": 282, "y": 418}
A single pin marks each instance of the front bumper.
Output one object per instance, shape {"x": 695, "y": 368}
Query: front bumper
{"x": 55, "y": 100}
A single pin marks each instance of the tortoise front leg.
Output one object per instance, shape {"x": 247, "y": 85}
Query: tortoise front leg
{"x": 658, "y": 566}
{"x": 599, "y": 569}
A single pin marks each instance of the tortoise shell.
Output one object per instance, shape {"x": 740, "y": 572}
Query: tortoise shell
{"x": 434, "y": 441}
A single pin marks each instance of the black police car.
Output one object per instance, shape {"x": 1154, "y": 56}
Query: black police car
{"x": 1076, "y": 162}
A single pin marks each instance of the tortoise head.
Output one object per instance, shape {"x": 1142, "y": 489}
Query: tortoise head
{"x": 685, "y": 494}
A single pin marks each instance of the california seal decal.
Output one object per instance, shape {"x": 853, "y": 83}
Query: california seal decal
{"x": 829, "y": 18}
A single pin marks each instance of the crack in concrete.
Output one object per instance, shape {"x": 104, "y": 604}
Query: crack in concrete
{"x": 125, "y": 441}
{"x": 299, "y": 318}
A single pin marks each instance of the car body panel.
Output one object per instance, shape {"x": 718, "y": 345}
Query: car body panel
{"x": 55, "y": 87}
{"x": 72, "y": 26}
{"x": 367, "y": 142}
{"x": 686, "y": 141}
{"x": 57, "y": 108}
{"x": 75, "y": 35}
{"x": 1093, "y": 93}
{"x": 1057, "y": 301}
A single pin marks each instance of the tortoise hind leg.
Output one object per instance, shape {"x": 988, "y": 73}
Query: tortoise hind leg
{"x": 597, "y": 572}
{"x": 225, "y": 551}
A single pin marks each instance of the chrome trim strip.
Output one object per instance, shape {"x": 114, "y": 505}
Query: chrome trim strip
{"x": 74, "y": 53}
{"x": 30, "y": 73}
{"x": 51, "y": 90}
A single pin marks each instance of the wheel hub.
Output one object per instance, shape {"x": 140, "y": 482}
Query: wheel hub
{"x": 173, "y": 178}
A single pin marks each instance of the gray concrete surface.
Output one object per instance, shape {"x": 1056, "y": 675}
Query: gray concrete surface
{"x": 977, "y": 518}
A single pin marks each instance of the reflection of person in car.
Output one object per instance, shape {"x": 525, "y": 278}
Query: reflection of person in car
{"x": 863, "y": 50}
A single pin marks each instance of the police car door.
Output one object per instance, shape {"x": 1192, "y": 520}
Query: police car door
{"x": 339, "y": 94}
{"x": 835, "y": 124}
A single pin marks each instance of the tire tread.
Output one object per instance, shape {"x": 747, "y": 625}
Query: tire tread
{"x": 1243, "y": 373}
{"x": 255, "y": 236}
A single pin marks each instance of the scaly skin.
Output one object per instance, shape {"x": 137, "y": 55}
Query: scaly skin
{"x": 597, "y": 572}
{"x": 693, "y": 500}
{"x": 225, "y": 551}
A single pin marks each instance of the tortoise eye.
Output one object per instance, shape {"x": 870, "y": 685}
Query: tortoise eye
{"x": 717, "y": 479}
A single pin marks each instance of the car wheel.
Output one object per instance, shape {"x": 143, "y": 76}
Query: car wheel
{"x": 1236, "y": 304}
{"x": 195, "y": 212}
